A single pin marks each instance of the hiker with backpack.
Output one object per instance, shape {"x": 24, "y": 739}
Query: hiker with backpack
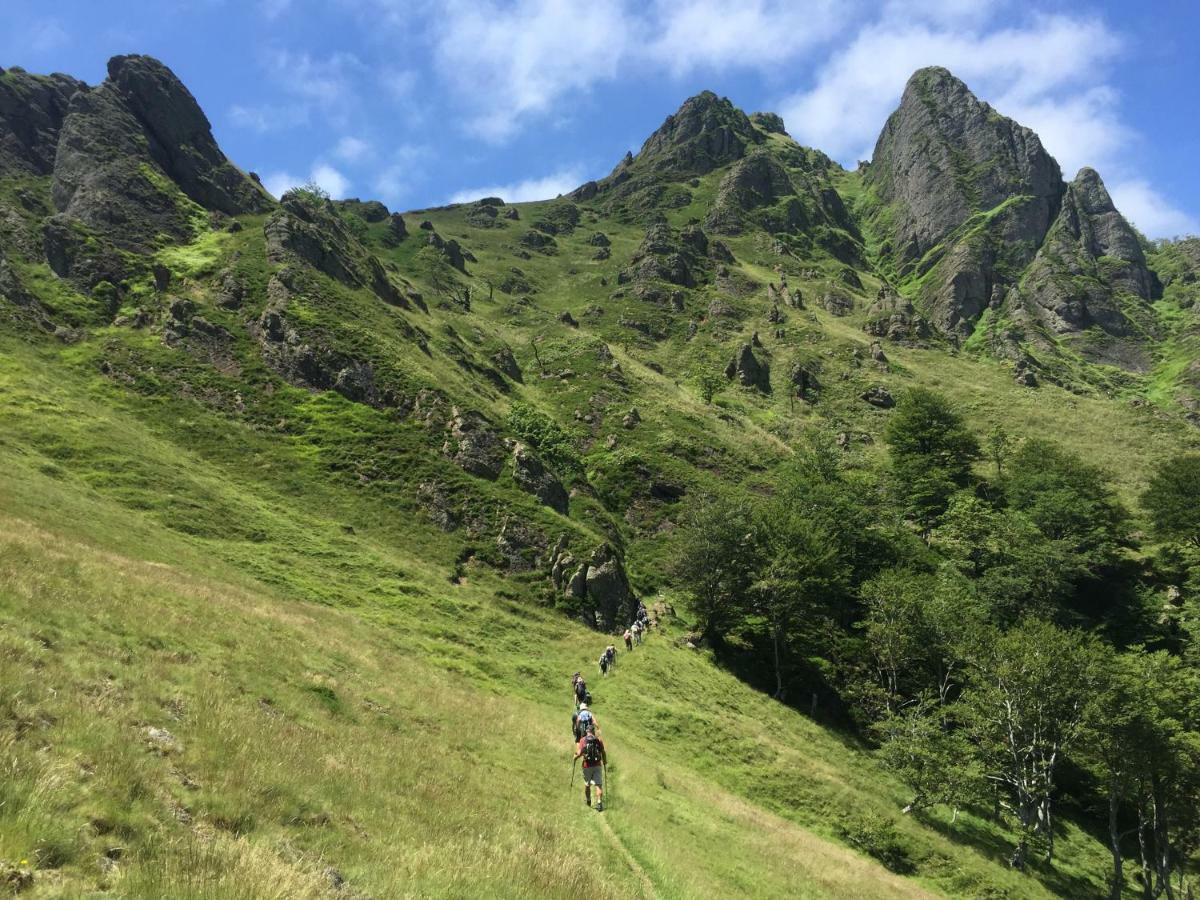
{"x": 603, "y": 663}
{"x": 637, "y": 632}
{"x": 591, "y": 749}
{"x": 628, "y": 639}
{"x": 611, "y": 653}
{"x": 582, "y": 721}
{"x": 581, "y": 692}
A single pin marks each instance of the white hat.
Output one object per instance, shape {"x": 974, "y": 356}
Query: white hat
{"x": 582, "y": 707}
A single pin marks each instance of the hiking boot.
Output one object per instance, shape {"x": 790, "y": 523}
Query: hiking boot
{"x": 600, "y": 806}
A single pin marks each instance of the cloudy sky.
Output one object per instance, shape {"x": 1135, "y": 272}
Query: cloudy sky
{"x": 418, "y": 102}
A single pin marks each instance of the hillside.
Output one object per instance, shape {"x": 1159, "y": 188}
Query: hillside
{"x": 310, "y": 508}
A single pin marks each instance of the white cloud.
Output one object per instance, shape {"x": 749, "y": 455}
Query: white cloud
{"x": 544, "y": 188}
{"x": 323, "y": 175}
{"x": 508, "y": 61}
{"x": 394, "y": 182}
{"x": 268, "y": 117}
{"x": 1046, "y": 67}
{"x": 1150, "y": 211}
{"x": 692, "y": 34}
{"x": 352, "y": 149}
{"x": 279, "y": 183}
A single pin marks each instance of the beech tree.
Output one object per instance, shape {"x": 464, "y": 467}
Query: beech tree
{"x": 1023, "y": 707}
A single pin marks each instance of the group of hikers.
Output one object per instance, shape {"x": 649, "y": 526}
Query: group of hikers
{"x": 586, "y": 730}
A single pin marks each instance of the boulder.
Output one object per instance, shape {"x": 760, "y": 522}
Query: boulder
{"x": 473, "y": 445}
{"x": 749, "y": 371}
{"x": 878, "y": 396}
{"x": 532, "y": 476}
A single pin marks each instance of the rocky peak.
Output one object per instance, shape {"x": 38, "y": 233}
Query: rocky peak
{"x": 706, "y": 132}
{"x": 31, "y": 113}
{"x": 944, "y": 155}
{"x": 770, "y": 122}
{"x": 1088, "y": 215}
{"x": 180, "y": 136}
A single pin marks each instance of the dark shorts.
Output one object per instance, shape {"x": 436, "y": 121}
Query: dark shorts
{"x": 593, "y": 775}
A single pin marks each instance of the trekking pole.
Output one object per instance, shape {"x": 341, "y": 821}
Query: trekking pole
{"x": 573, "y": 761}
{"x": 607, "y": 783}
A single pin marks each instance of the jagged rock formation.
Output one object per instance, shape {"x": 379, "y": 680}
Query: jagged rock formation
{"x": 32, "y": 108}
{"x": 473, "y": 444}
{"x": 749, "y": 371}
{"x": 532, "y": 476}
{"x": 598, "y": 589}
{"x": 307, "y": 229}
{"x": 962, "y": 189}
{"x": 1091, "y": 273}
{"x": 132, "y": 153}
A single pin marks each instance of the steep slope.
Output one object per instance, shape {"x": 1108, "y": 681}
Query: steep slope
{"x": 440, "y": 443}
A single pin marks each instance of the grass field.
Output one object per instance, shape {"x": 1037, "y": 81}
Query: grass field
{"x": 334, "y": 704}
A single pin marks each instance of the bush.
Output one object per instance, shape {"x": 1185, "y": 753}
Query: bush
{"x": 876, "y": 836}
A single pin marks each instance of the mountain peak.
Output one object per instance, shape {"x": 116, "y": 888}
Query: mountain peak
{"x": 706, "y": 132}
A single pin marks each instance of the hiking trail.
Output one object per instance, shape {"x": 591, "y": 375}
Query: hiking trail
{"x": 648, "y": 889}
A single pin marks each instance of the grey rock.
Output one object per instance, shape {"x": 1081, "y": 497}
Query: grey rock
{"x": 533, "y": 477}
{"x": 879, "y": 396}
{"x": 749, "y": 371}
{"x": 473, "y": 445}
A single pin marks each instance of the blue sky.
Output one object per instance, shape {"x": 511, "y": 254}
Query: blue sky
{"x": 419, "y": 103}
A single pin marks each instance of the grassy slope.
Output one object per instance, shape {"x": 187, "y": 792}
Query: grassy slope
{"x": 263, "y": 583}
{"x": 410, "y": 733}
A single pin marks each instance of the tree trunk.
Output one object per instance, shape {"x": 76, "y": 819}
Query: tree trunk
{"x": 1144, "y": 851}
{"x": 1162, "y": 841}
{"x": 1114, "y": 841}
{"x": 778, "y": 669}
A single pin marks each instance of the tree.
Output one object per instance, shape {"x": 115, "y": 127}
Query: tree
{"x": 1023, "y": 707}
{"x": 926, "y": 428}
{"x": 932, "y": 451}
{"x": 709, "y": 384}
{"x": 1173, "y": 500}
{"x": 934, "y": 760}
{"x": 1070, "y": 502}
{"x": 716, "y": 557}
{"x": 801, "y": 576}
{"x": 998, "y": 446}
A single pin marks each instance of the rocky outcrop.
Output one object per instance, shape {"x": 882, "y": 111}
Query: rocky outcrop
{"x": 473, "y": 445}
{"x": 895, "y": 318}
{"x": 307, "y": 229}
{"x": 706, "y": 132}
{"x": 134, "y": 150}
{"x": 771, "y": 123}
{"x": 666, "y": 257}
{"x": 598, "y": 589}
{"x": 32, "y": 108}
{"x": 307, "y": 360}
{"x": 179, "y": 136}
{"x": 1091, "y": 275}
{"x": 969, "y": 196}
{"x": 532, "y": 476}
{"x": 749, "y": 371}
{"x": 944, "y": 155}
{"x": 755, "y": 182}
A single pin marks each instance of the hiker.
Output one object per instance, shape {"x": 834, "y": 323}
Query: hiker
{"x": 591, "y": 748}
{"x": 611, "y": 653}
{"x": 581, "y": 692}
{"x": 582, "y": 721}
{"x": 637, "y": 632}
{"x": 604, "y": 663}
{"x": 628, "y": 639}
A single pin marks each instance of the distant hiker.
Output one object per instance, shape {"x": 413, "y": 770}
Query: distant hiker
{"x": 611, "y": 653}
{"x": 604, "y": 663}
{"x": 582, "y": 721}
{"x": 581, "y": 692}
{"x": 628, "y": 639}
{"x": 637, "y": 632}
{"x": 591, "y": 748}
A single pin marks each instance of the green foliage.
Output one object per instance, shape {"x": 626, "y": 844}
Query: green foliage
{"x": 1173, "y": 500}
{"x": 709, "y": 383}
{"x": 715, "y": 561}
{"x": 545, "y": 435}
